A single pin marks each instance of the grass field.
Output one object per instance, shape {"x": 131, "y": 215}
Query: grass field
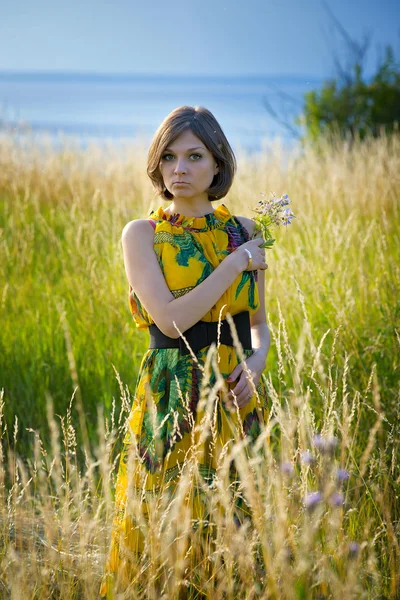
{"x": 70, "y": 353}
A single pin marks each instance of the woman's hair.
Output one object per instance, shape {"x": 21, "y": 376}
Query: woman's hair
{"x": 205, "y": 126}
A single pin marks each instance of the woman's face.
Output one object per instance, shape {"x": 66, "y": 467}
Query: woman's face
{"x": 187, "y": 167}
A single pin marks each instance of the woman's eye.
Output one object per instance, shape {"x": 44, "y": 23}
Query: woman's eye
{"x": 168, "y": 157}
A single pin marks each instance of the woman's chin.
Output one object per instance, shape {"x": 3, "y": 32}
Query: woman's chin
{"x": 182, "y": 193}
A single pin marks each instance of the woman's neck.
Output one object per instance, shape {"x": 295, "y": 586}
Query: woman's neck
{"x": 189, "y": 209}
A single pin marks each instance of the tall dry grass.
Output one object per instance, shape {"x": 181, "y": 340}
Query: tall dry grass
{"x": 322, "y": 484}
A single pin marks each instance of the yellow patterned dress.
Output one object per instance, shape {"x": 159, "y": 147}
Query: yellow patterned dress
{"x": 188, "y": 249}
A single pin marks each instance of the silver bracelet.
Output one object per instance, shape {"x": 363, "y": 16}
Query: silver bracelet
{"x": 249, "y": 264}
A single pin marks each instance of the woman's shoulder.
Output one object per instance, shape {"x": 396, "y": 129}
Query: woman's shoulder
{"x": 138, "y": 227}
{"x": 247, "y": 223}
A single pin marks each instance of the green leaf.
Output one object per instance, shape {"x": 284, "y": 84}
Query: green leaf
{"x": 268, "y": 244}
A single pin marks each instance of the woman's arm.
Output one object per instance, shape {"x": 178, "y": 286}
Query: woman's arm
{"x": 147, "y": 280}
{"x": 260, "y": 335}
{"x": 260, "y": 339}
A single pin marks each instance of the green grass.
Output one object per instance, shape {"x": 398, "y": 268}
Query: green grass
{"x": 332, "y": 296}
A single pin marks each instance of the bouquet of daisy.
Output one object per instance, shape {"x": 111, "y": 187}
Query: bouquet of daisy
{"x": 271, "y": 212}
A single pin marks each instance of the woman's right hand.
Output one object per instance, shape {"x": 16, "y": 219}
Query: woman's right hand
{"x": 257, "y": 253}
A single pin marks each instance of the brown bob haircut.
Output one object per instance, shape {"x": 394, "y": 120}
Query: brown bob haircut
{"x": 204, "y": 125}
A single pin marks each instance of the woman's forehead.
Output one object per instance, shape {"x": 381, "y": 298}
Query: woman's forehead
{"x": 186, "y": 141}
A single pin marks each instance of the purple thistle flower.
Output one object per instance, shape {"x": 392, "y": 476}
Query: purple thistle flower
{"x": 307, "y": 458}
{"x": 336, "y": 500}
{"x": 318, "y": 441}
{"x": 323, "y": 444}
{"x": 342, "y": 475}
{"x": 312, "y": 500}
{"x": 287, "y": 468}
{"x": 353, "y": 549}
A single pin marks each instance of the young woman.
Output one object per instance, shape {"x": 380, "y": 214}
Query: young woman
{"x": 188, "y": 265}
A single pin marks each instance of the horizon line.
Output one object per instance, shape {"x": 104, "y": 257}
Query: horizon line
{"x": 127, "y": 75}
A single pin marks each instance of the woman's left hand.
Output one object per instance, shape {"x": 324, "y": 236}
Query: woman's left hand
{"x": 243, "y": 388}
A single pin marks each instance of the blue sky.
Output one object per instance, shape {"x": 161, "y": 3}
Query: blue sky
{"x": 181, "y": 37}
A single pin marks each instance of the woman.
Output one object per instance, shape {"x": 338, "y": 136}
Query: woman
{"x": 189, "y": 265}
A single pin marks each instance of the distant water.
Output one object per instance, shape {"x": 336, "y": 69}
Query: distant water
{"x": 113, "y": 108}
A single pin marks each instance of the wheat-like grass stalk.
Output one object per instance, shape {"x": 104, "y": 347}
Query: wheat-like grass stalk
{"x": 322, "y": 481}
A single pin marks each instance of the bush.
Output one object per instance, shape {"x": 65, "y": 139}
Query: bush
{"x": 351, "y": 105}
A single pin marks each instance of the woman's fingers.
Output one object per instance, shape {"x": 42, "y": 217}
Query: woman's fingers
{"x": 241, "y": 400}
{"x": 258, "y": 253}
{"x": 241, "y": 393}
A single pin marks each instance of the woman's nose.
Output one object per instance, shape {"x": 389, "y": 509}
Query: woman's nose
{"x": 180, "y": 167}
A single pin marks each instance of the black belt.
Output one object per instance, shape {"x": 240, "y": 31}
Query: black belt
{"x": 202, "y": 334}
